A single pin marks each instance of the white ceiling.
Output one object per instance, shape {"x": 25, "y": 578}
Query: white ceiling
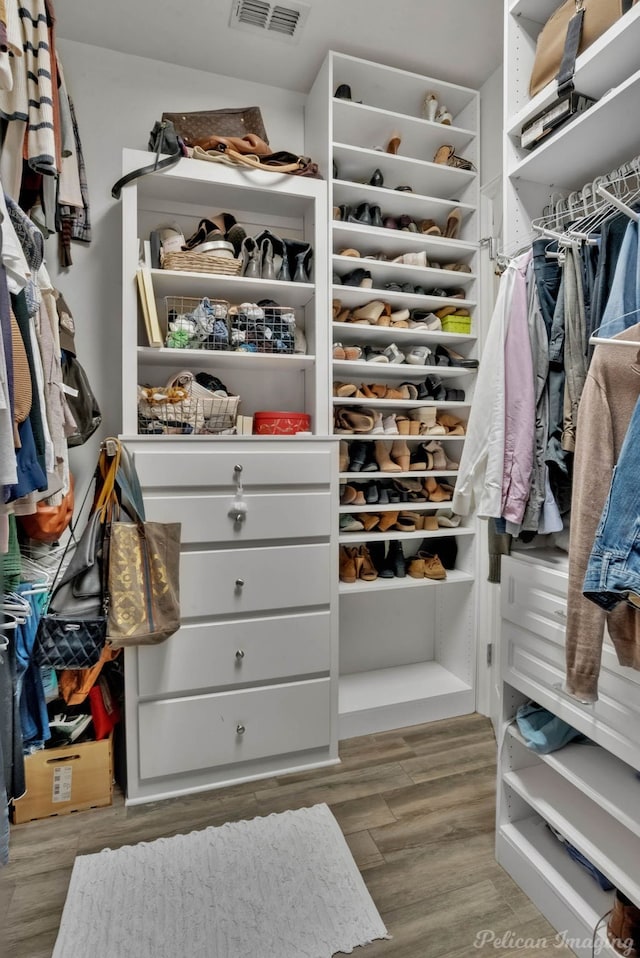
{"x": 455, "y": 40}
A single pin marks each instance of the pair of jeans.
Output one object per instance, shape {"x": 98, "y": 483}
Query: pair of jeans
{"x": 611, "y": 239}
{"x": 623, "y": 304}
{"x": 547, "y": 275}
{"x": 613, "y": 569}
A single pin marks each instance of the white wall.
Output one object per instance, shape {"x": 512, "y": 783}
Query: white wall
{"x": 491, "y": 127}
{"x": 117, "y": 99}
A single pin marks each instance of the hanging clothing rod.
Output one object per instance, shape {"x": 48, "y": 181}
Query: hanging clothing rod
{"x": 610, "y": 198}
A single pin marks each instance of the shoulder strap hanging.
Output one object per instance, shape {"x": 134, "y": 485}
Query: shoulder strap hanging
{"x": 158, "y": 164}
{"x": 572, "y": 45}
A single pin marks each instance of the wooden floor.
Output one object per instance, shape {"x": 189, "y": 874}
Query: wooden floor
{"x": 416, "y": 806}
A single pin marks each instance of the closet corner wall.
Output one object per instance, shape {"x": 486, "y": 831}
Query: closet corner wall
{"x": 407, "y": 646}
{"x": 587, "y": 793}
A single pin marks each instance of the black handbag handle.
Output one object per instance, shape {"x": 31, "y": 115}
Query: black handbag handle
{"x": 158, "y": 164}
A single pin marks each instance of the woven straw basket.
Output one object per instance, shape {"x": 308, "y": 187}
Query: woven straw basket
{"x": 202, "y": 263}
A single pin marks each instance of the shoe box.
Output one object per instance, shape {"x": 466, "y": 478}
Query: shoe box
{"x": 66, "y": 779}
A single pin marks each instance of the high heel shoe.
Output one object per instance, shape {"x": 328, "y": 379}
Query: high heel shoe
{"x": 387, "y": 520}
{"x": 453, "y": 224}
{"x": 367, "y": 570}
{"x": 394, "y": 143}
{"x": 400, "y": 454}
{"x": 383, "y": 458}
{"x": 376, "y": 217}
{"x": 429, "y": 106}
{"x": 376, "y": 178}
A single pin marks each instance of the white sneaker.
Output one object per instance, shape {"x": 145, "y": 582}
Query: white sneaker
{"x": 412, "y": 259}
{"x": 418, "y": 355}
{"x": 393, "y": 354}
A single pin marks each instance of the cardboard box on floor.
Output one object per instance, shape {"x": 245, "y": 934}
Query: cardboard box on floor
{"x": 66, "y": 779}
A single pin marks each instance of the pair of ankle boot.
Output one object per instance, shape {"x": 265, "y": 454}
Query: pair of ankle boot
{"x": 267, "y": 256}
{"x": 365, "y": 214}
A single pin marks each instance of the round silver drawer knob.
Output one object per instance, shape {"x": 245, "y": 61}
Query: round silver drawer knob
{"x": 239, "y": 583}
{"x": 237, "y": 468}
{"x": 240, "y": 729}
{"x": 240, "y": 654}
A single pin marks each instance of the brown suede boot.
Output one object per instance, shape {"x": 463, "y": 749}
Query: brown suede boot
{"x": 623, "y": 927}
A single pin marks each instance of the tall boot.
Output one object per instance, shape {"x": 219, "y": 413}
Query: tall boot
{"x": 266, "y": 257}
{"x": 378, "y": 553}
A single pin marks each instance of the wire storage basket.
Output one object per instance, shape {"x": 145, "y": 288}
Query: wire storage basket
{"x": 263, "y": 327}
{"x": 194, "y": 323}
{"x": 185, "y": 407}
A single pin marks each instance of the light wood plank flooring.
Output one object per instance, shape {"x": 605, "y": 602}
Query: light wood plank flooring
{"x": 417, "y": 808}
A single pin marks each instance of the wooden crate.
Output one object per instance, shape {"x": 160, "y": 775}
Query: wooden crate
{"x": 66, "y": 779}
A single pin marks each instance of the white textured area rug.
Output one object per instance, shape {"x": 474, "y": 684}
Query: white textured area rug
{"x": 283, "y": 886}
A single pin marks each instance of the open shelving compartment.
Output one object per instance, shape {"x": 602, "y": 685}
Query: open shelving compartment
{"x": 407, "y": 646}
{"x": 291, "y": 207}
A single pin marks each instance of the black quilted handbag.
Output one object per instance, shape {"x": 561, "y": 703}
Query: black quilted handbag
{"x": 69, "y": 642}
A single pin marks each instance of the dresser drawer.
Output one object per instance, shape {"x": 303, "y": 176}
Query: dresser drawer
{"x": 536, "y": 666}
{"x": 245, "y": 651}
{"x": 534, "y": 596}
{"x": 204, "y": 731}
{"x": 225, "y": 582}
{"x": 170, "y": 465}
{"x": 210, "y": 517}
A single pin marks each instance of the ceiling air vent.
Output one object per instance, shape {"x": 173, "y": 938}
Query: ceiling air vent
{"x": 259, "y": 16}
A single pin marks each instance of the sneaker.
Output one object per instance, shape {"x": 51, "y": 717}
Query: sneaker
{"x": 393, "y": 354}
{"x": 418, "y": 355}
{"x": 372, "y": 355}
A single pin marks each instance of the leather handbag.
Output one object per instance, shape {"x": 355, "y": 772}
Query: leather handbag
{"x": 597, "y": 17}
{"x": 233, "y": 121}
{"x": 48, "y": 522}
{"x": 143, "y": 575}
{"x": 163, "y": 139}
{"x": 278, "y": 162}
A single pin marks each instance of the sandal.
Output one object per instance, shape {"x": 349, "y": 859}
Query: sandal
{"x": 447, "y": 156}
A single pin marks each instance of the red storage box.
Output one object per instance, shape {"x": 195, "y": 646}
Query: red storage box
{"x": 269, "y": 423}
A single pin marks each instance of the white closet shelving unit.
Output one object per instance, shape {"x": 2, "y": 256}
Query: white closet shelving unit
{"x": 407, "y": 647}
{"x": 587, "y": 792}
{"x": 247, "y": 688}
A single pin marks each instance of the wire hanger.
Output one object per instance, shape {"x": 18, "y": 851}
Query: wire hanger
{"x": 595, "y": 339}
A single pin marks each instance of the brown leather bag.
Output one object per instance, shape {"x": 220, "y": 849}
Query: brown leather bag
{"x": 599, "y": 15}
{"x": 249, "y": 144}
{"x": 234, "y": 121}
{"x": 48, "y": 523}
{"x": 278, "y": 162}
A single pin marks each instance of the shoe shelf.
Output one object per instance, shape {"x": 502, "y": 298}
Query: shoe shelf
{"x": 383, "y": 271}
{"x": 404, "y": 371}
{"x": 378, "y": 690}
{"x": 222, "y": 359}
{"x": 237, "y": 289}
{"x": 345, "y": 538}
{"x": 397, "y": 404}
{"x": 424, "y": 691}
{"x": 560, "y": 887}
{"x": 396, "y": 202}
{"x": 369, "y": 240}
{"x": 601, "y": 776}
{"x": 372, "y": 127}
{"x": 374, "y": 335}
{"x": 454, "y": 577}
{"x": 602, "y": 839}
{"x": 423, "y": 176}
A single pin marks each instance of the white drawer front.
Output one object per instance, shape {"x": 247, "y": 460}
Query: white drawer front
{"x": 534, "y": 597}
{"x": 203, "y": 656}
{"x": 211, "y": 518}
{"x": 536, "y": 666}
{"x": 200, "y": 732}
{"x": 253, "y": 580}
{"x": 182, "y": 465}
